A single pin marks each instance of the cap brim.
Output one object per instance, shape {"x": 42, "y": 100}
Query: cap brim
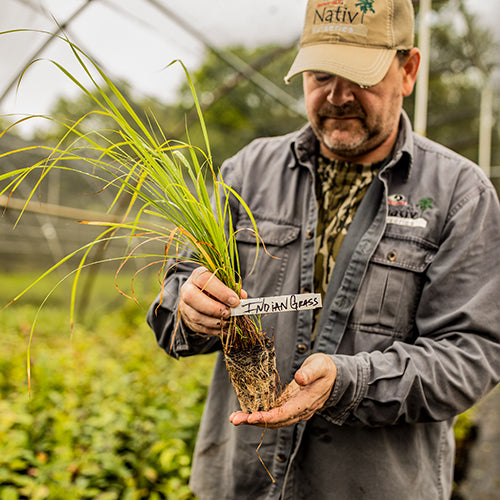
{"x": 362, "y": 65}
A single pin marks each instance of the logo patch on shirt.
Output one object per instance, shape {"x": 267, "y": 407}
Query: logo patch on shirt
{"x": 402, "y": 221}
{"x": 402, "y": 213}
{"x": 396, "y": 199}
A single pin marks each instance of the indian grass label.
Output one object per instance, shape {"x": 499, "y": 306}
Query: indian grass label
{"x": 282, "y": 303}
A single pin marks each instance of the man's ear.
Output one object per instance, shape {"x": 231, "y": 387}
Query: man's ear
{"x": 409, "y": 70}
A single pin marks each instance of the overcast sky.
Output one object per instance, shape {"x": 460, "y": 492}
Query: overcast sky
{"x": 132, "y": 39}
{"x": 135, "y": 40}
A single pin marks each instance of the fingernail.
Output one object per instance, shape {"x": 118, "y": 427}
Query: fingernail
{"x": 233, "y": 301}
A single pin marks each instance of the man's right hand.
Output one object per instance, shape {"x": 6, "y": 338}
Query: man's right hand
{"x": 205, "y": 302}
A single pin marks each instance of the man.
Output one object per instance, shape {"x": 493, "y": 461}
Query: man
{"x": 400, "y": 236}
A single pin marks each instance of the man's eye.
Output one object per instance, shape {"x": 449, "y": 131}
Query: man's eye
{"x": 322, "y": 77}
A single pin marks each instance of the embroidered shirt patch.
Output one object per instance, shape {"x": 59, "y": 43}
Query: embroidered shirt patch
{"x": 402, "y": 213}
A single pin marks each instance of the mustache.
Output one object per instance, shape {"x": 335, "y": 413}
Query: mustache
{"x": 350, "y": 109}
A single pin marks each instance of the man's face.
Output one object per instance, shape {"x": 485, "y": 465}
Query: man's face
{"x": 353, "y": 123}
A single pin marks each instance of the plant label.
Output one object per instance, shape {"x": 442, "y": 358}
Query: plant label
{"x": 282, "y": 303}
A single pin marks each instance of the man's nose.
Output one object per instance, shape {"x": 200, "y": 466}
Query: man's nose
{"x": 340, "y": 90}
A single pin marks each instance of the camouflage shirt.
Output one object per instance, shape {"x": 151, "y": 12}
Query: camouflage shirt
{"x": 340, "y": 187}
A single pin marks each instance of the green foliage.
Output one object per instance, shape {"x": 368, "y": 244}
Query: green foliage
{"x": 460, "y": 58}
{"x": 110, "y": 415}
{"x": 463, "y": 425}
{"x": 238, "y": 111}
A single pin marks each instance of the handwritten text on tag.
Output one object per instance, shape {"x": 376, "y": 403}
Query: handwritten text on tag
{"x": 282, "y": 303}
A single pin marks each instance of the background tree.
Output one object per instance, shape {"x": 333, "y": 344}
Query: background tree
{"x": 235, "y": 109}
{"x": 459, "y": 59}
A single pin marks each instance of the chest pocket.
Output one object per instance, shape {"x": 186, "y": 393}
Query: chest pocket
{"x": 391, "y": 289}
{"x": 265, "y": 276}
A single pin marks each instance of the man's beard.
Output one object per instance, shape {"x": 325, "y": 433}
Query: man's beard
{"x": 359, "y": 140}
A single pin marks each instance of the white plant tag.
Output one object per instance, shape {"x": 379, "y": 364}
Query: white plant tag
{"x": 282, "y": 303}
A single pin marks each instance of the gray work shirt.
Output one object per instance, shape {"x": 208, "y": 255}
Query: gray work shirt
{"x": 411, "y": 318}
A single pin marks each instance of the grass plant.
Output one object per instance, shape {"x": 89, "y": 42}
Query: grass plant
{"x": 170, "y": 190}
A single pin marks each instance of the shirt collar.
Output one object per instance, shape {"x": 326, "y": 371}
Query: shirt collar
{"x": 304, "y": 148}
{"x": 401, "y": 157}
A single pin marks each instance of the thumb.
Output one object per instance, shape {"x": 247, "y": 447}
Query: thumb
{"x": 314, "y": 367}
{"x": 304, "y": 375}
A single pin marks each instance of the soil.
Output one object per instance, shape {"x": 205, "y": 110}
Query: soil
{"x": 253, "y": 374}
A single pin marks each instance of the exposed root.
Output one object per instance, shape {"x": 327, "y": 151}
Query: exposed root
{"x": 260, "y": 458}
{"x": 241, "y": 333}
{"x": 251, "y": 364}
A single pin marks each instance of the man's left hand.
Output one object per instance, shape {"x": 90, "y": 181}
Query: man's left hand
{"x": 303, "y": 397}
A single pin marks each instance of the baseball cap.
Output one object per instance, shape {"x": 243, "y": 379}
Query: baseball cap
{"x": 355, "y": 39}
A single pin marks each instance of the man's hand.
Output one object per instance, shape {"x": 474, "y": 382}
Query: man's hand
{"x": 205, "y": 302}
{"x": 303, "y": 397}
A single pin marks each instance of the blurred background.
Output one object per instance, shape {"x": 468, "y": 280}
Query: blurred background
{"x": 108, "y": 415}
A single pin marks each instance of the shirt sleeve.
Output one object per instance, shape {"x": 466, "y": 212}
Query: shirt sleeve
{"x": 455, "y": 359}
{"x": 164, "y": 319}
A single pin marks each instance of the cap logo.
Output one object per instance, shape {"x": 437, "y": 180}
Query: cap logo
{"x": 334, "y": 17}
{"x": 365, "y": 6}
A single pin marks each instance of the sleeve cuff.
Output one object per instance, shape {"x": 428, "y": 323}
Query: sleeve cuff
{"x": 189, "y": 341}
{"x": 351, "y": 386}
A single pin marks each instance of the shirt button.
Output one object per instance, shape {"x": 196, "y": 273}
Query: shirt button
{"x": 310, "y": 234}
{"x": 306, "y": 289}
{"x": 281, "y": 458}
{"x": 392, "y": 256}
{"x": 301, "y": 348}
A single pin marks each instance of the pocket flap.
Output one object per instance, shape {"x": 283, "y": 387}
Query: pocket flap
{"x": 270, "y": 232}
{"x": 412, "y": 254}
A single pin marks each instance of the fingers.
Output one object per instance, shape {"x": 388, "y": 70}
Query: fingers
{"x": 303, "y": 397}
{"x": 209, "y": 284}
{"x": 296, "y": 409}
{"x": 205, "y": 302}
{"x": 199, "y": 322}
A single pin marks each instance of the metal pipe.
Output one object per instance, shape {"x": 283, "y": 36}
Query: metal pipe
{"x": 40, "y": 50}
{"x": 485, "y": 128}
{"x": 424, "y": 43}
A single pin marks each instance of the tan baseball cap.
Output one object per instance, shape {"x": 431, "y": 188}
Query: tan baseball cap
{"x": 355, "y": 39}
